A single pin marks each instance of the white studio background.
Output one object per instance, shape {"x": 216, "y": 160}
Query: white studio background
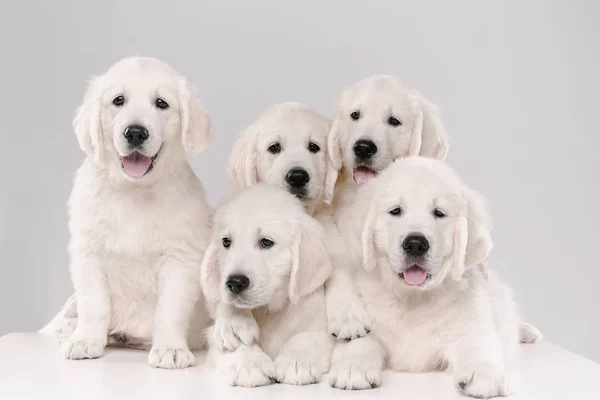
{"x": 517, "y": 82}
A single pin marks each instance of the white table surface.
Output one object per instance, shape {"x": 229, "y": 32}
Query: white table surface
{"x": 31, "y": 368}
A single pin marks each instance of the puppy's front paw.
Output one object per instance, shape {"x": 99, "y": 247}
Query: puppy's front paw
{"x": 483, "y": 382}
{"x": 79, "y": 349}
{"x": 296, "y": 369}
{"x": 230, "y": 333}
{"x": 356, "y": 374}
{"x": 349, "y": 321}
{"x": 249, "y": 369}
{"x": 171, "y": 357}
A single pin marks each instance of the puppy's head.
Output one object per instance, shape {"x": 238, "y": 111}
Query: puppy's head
{"x": 285, "y": 146}
{"x": 264, "y": 250}
{"x": 423, "y": 224}
{"x": 380, "y": 119}
{"x": 140, "y": 118}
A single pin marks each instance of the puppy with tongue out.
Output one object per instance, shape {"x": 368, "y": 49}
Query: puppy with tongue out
{"x": 422, "y": 236}
{"x": 139, "y": 220}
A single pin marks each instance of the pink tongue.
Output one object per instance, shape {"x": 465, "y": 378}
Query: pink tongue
{"x": 136, "y": 165}
{"x": 415, "y": 275}
{"x": 362, "y": 175}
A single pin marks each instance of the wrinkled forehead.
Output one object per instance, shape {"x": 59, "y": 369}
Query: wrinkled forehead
{"x": 293, "y": 128}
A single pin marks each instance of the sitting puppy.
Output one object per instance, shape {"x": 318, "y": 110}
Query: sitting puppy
{"x": 139, "y": 221}
{"x": 433, "y": 305}
{"x": 376, "y": 121}
{"x": 267, "y": 258}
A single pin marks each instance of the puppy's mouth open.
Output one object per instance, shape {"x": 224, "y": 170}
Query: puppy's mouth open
{"x": 362, "y": 174}
{"x": 137, "y": 165}
{"x": 415, "y": 275}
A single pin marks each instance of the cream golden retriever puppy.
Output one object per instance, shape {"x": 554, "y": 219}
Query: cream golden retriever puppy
{"x": 376, "y": 121}
{"x": 267, "y": 259}
{"x": 286, "y": 146}
{"x": 139, "y": 221}
{"x": 434, "y": 306}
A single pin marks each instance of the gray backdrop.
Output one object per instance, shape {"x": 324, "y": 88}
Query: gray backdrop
{"x": 517, "y": 82}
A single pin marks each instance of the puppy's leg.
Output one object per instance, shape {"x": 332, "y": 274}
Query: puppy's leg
{"x": 347, "y": 317}
{"x": 178, "y": 293}
{"x": 247, "y": 366}
{"x": 529, "y": 333}
{"x": 480, "y": 364}
{"x": 304, "y": 358}
{"x": 233, "y": 327}
{"x": 93, "y": 308}
{"x": 357, "y": 364}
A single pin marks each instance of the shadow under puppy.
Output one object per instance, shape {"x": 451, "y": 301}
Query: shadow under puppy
{"x": 433, "y": 304}
{"x": 267, "y": 256}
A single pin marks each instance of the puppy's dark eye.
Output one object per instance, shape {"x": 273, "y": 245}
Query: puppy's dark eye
{"x": 274, "y": 148}
{"x": 266, "y": 243}
{"x": 313, "y": 147}
{"x": 393, "y": 121}
{"x": 396, "y": 211}
{"x": 160, "y": 103}
{"x": 355, "y": 115}
{"x": 226, "y": 242}
{"x": 119, "y": 101}
{"x": 439, "y": 213}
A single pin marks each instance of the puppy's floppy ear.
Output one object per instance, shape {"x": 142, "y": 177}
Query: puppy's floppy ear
{"x": 87, "y": 122}
{"x": 334, "y": 163}
{"x": 334, "y": 148}
{"x": 210, "y": 273}
{"x": 367, "y": 240}
{"x": 311, "y": 265}
{"x": 429, "y": 137}
{"x": 472, "y": 239}
{"x": 241, "y": 168}
{"x": 196, "y": 128}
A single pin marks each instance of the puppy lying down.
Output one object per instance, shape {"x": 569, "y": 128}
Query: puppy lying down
{"x": 264, "y": 271}
{"x": 433, "y": 305}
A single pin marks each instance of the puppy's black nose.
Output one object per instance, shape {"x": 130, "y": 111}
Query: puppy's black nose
{"x": 297, "y": 177}
{"x": 364, "y": 149}
{"x": 135, "y": 134}
{"x": 237, "y": 283}
{"x": 415, "y": 245}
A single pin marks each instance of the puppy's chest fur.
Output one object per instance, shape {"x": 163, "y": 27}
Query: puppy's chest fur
{"x": 134, "y": 231}
{"x": 416, "y": 333}
{"x": 278, "y": 327}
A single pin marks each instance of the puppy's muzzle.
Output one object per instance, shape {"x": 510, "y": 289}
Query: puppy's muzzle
{"x": 237, "y": 283}
{"x": 415, "y": 245}
{"x": 136, "y": 135}
{"x": 364, "y": 149}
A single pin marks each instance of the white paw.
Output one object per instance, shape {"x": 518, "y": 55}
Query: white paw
{"x": 65, "y": 329}
{"x": 483, "y": 383}
{"x": 296, "y": 369}
{"x": 229, "y": 333}
{"x": 249, "y": 369}
{"x": 356, "y": 374}
{"x": 529, "y": 334}
{"x": 79, "y": 349}
{"x": 349, "y": 321}
{"x": 171, "y": 357}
